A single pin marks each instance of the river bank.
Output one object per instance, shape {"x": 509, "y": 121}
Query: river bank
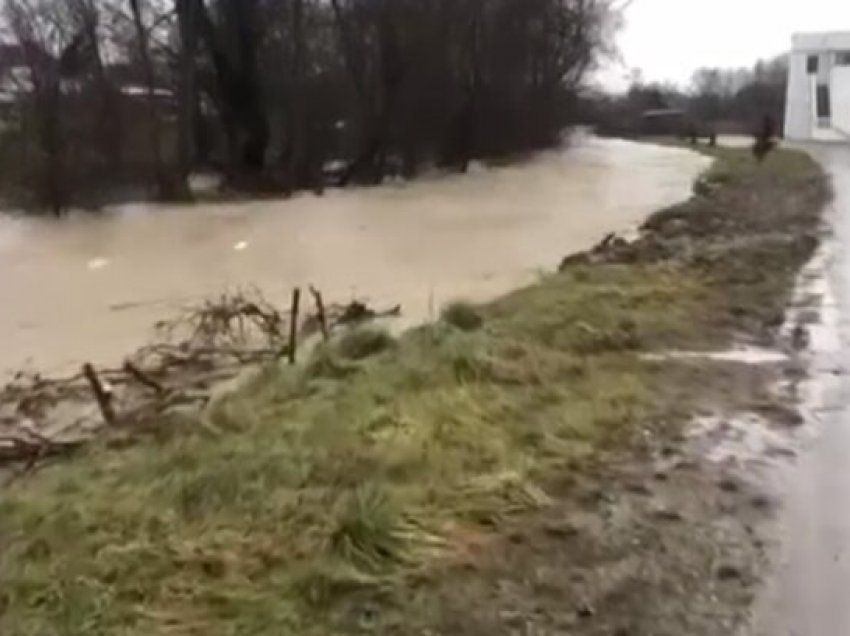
{"x": 525, "y": 466}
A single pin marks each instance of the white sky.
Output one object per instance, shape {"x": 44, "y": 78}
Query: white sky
{"x": 668, "y": 39}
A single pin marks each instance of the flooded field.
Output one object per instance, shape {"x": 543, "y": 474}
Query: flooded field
{"x": 88, "y": 288}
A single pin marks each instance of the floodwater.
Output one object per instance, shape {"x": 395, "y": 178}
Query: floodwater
{"x": 88, "y": 288}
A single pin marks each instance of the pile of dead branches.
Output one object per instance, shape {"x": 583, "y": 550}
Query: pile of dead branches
{"x": 206, "y": 345}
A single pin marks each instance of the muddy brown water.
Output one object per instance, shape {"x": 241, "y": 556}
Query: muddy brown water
{"x": 89, "y": 287}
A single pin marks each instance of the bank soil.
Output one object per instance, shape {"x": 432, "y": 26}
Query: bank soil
{"x": 524, "y": 467}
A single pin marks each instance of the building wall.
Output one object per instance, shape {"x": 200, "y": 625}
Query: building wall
{"x": 841, "y": 99}
{"x": 801, "y": 118}
{"x": 835, "y": 41}
{"x": 800, "y": 107}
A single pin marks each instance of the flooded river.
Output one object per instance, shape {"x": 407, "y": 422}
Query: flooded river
{"x": 90, "y": 287}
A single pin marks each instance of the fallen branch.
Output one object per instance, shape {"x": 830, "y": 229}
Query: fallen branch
{"x": 209, "y": 344}
{"x": 357, "y": 312}
{"x": 143, "y": 378}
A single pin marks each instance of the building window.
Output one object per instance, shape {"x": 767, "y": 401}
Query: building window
{"x": 842, "y": 58}
{"x": 812, "y": 64}
{"x": 824, "y": 108}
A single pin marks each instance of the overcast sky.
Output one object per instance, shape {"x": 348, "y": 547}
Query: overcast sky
{"x": 668, "y": 39}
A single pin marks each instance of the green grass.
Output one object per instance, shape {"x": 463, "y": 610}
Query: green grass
{"x": 732, "y": 163}
{"x": 309, "y": 483}
{"x": 364, "y": 342}
{"x": 366, "y": 467}
{"x": 463, "y": 315}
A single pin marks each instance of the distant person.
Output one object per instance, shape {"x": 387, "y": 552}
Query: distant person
{"x": 764, "y": 142}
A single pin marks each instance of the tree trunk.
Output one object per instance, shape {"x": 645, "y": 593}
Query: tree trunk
{"x": 378, "y": 89}
{"x": 240, "y": 98}
{"x": 160, "y": 178}
{"x": 297, "y": 174}
{"x": 187, "y": 93}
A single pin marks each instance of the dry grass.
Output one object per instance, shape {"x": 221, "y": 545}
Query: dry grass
{"x": 360, "y": 469}
{"x": 309, "y": 483}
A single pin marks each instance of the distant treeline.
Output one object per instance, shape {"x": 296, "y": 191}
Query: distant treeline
{"x": 717, "y": 101}
{"x": 280, "y": 94}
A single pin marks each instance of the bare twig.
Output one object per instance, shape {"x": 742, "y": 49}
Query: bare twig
{"x": 143, "y": 378}
{"x": 209, "y": 344}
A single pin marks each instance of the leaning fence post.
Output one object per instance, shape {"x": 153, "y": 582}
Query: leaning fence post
{"x": 101, "y": 393}
{"x": 293, "y": 325}
{"x": 320, "y": 312}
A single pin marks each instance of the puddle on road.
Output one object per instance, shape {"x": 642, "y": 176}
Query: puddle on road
{"x": 740, "y": 355}
{"x": 744, "y": 439}
{"x": 811, "y": 377}
{"x": 90, "y": 287}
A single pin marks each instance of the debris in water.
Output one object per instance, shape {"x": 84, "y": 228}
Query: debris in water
{"x": 209, "y": 344}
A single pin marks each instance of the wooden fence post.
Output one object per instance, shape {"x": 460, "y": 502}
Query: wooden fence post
{"x": 293, "y": 325}
{"x": 101, "y": 394}
{"x": 320, "y": 312}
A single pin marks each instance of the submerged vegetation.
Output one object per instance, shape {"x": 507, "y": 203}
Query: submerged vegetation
{"x": 376, "y": 463}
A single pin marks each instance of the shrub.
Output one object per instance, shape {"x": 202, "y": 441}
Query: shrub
{"x": 364, "y": 343}
{"x": 463, "y": 315}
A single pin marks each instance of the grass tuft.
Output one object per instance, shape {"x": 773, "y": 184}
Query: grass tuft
{"x": 365, "y": 342}
{"x": 462, "y": 315}
{"x": 369, "y": 532}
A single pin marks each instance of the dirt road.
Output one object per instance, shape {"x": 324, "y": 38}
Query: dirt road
{"x": 809, "y": 596}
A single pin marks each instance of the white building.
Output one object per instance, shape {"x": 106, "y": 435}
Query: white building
{"x": 818, "y": 106}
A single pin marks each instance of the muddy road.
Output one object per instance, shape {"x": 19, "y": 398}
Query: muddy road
{"x": 809, "y": 594}
{"x": 90, "y": 287}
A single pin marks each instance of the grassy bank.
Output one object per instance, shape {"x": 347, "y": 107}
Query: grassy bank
{"x": 376, "y": 466}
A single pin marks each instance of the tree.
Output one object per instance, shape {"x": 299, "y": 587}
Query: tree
{"x": 187, "y": 91}
{"x": 232, "y": 42}
{"x": 143, "y": 44}
{"x": 57, "y": 93}
{"x": 275, "y": 91}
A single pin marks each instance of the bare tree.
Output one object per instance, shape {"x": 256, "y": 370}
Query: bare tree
{"x": 187, "y": 18}
{"x": 56, "y": 51}
{"x": 291, "y": 86}
{"x": 152, "y": 102}
{"x": 232, "y": 43}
